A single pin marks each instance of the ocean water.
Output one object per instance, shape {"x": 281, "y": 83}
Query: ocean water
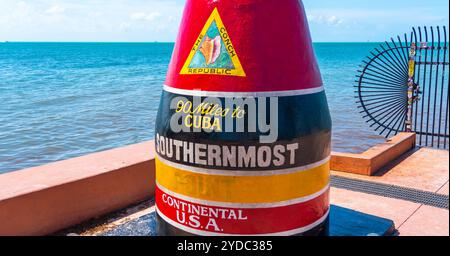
{"x": 62, "y": 100}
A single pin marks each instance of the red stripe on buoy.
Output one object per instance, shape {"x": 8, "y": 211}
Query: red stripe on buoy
{"x": 202, "y": 219}
{"x": 270, "y": 38}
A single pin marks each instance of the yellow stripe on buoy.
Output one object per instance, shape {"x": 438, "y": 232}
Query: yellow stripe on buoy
{"x": 243, "y": 189}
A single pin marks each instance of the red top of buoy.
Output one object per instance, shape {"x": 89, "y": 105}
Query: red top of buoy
{"x": 243, "y": 46}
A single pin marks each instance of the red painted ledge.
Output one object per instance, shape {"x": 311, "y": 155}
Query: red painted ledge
{"x": 49, "y": 198}
{"x": 46, "y": 199}
{"x": 371, "y": 161}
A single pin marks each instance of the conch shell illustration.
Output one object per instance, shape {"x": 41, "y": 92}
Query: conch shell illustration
{"x": 210, "y": 49}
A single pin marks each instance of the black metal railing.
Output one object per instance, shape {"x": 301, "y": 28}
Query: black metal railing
{"x": 404, "y": 86}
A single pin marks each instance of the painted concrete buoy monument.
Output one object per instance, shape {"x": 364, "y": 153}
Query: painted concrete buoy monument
{"x": 243, "y": 130}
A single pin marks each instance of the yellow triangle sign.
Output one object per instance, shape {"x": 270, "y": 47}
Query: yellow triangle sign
{"x": 213, "y": 53}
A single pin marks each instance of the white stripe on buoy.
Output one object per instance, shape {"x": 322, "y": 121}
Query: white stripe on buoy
{"x": 198, "y": 93}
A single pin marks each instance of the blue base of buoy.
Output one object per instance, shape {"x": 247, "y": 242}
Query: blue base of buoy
{"x": 343, "y": 222}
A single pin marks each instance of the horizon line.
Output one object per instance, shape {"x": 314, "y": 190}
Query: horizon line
{"x": 163, "y": 42}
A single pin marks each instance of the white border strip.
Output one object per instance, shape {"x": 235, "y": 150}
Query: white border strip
{"x": 198, "y": 93}
{"x": 207, "y": 233}
{"x": 242, "y": 173}
{"x": 245, "y": 205}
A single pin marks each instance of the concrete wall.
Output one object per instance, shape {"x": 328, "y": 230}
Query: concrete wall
{"x": 46, "y": 199}
{"x": 371, "y": 161}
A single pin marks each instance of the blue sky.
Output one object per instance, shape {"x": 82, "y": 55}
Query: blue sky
{"x": 158, "y": 20}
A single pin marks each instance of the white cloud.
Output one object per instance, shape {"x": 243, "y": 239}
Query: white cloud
{"x": 81, "y": 20}
{"x": 330, "y": 20}
{"x": 124, "y": 26}
{"x": 22, "y": 9}
{"x": 56, "y": 9}
{"x": 334, "y": 21}
{"x": 141, "y": 16}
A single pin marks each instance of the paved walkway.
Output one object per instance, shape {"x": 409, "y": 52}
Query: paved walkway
{"x": 424, "y": 169}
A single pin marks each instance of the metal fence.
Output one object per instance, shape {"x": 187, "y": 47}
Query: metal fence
{"x": 404, "y": 86}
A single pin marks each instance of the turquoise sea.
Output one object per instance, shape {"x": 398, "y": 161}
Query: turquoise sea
{"x": 62, "y": 100}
